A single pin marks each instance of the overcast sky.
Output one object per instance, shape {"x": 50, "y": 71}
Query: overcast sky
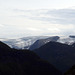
{"x": 20, "y": 18}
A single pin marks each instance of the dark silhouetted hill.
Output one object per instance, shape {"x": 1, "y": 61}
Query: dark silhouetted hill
{"x": 3, "y": 47}
{"x": 23, "y": 62}
{"x": 62, "y": 56}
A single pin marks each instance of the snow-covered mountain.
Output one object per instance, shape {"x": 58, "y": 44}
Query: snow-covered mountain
{"x": 22, "y": 43}
{"x": 67, "y": 40}
{"x": 27, "y": 42}
{"x": 41, "y": 42}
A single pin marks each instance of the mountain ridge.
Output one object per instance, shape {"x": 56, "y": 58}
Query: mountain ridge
{"x": 41, "y": 42}
{"x": 57, "y": 54}
{"x": 23, "y": 62}
{"x": 27, "y": 42}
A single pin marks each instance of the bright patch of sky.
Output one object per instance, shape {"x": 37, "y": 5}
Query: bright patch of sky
{"x": 20, "y": 18}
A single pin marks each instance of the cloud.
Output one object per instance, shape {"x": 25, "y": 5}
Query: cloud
{"x": 38, "y": 22}
{"x": 1, "y": 25}
{"x": 63, "y": 16}
{"x": 60, "y": 16}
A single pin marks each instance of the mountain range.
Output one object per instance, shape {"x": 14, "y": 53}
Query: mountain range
{"x": 22, "y": 43}
{"x": 32, "y": 41}
{"x": 50, "y": 58}
{"x": 23, "y": 62}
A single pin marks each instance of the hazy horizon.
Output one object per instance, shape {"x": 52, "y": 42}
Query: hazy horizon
{"x": 21, "y": 18}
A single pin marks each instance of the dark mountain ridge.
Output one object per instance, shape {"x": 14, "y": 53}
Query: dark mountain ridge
{"x": 62, "y": 56}
{"x": 23, "y": 62}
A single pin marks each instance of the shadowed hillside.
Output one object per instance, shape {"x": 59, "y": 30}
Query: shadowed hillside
{"x": 62, "y": 56}
{"x": 23, "y": 62}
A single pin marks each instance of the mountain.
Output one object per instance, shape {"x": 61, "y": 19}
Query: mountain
{"x": 42, "y": 42}
{"x": 23, "y": 62}
{"x": 33, "y": 42}
{"x": 62, "y": 56}
{"x": 22, "y": 43}
{"x": 67, "y": 40}
{"x": 3, "y": 47}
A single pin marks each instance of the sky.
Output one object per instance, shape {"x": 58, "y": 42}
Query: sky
{"x": 21, "y": 18}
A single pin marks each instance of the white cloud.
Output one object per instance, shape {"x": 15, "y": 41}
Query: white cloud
{"x": 61, "y": 16}
{"x": 37, "y": 22}
{"x": 1, "y": 25}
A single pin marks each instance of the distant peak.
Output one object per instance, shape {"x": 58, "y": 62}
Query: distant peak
{"x": 72, "y": 36}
